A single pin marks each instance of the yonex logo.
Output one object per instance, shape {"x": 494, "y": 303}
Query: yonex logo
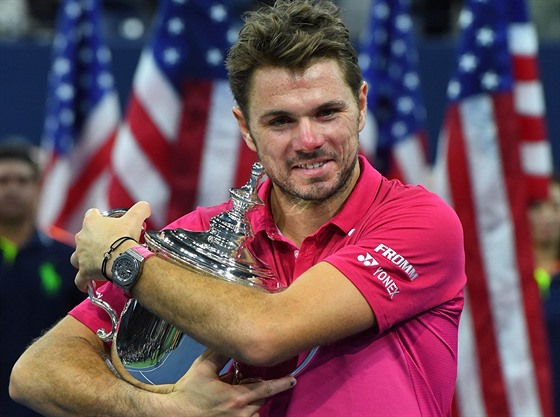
{"x": 367, "y": 260}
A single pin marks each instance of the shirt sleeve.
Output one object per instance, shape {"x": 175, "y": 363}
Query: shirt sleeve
{"x": 95, "y": 317}
{"x": 406, "y": 259}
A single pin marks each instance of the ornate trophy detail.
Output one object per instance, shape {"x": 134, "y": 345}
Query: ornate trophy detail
{"x": 151, "y": 353}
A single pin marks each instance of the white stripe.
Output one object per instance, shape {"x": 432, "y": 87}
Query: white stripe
{"x": 95, "y": 197}
{"x": 139, "y": 176}
{"x": 536, "y": 158}
{"x": 495, "y": 228}
{"x": 529, "y": 98}
{"x": 221, "y": 149}
{"x": 410, "y": 156}
{"x": 157, "y": 96}
{"x": 522, "y": 39}
{"x": 469, "y": 388}
{"x": 368, "y": 137}
{"x": 54, "y": 192}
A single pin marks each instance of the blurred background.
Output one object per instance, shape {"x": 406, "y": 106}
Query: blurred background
{"x": 27, "y": 29}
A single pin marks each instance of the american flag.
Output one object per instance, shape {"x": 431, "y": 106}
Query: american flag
{"x": 503, "y": 363}
{"x": 180, "y": 145}
{"x": 82, "y": 117}
{"x": 394, "y": 138}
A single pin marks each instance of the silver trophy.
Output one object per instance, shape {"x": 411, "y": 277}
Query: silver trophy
{"x": 151, "y": 353}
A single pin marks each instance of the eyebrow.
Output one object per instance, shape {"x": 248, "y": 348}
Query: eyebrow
{"x": 283, "y": 113}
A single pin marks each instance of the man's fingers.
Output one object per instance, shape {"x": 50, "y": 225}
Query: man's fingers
{"x": 139, "y": 212}
{"x": 265, "y": 389}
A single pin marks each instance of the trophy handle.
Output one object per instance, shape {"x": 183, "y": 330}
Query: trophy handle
{"x": 103, "y": 334}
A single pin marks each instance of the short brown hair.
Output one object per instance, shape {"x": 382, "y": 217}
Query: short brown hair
{"x": 291, "y": 34}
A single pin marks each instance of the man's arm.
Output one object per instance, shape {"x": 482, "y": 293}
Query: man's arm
{"x": 64, "y": 374}
{"x": 245, "y": 323}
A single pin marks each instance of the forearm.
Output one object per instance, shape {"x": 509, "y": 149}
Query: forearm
{"x": 63, "y": 375}
{"x": 206, "y": 308}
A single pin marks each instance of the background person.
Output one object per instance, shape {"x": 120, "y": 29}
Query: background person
{"x": 36, "y": 277}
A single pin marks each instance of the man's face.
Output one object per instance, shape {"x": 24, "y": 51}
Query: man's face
{"x": 304, "y": 126}
{"x": 18, "y": 191}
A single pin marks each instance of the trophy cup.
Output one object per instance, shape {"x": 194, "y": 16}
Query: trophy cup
{"x": 151, "y": 353}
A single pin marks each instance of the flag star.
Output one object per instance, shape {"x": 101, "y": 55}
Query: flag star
{"x": 465, "y": 18}
{"x": 214, "y": 57}
{"x": 104, "y": 54}
{"x": 382, "y": 10}
{"x": 66, "y": 117}
{"x": 105, "y": 80}
{"x": 399, "y": 129}
{"x": 485, "y": 36}
{"x": 171, "y": 56}
{"x": 218, "y": 13}
{"x": 490, "y": 80}
{"x": 403, "y": 23}
{"x": 365, "y": 61}
{"x": 175, "y": 26}
{"x": 411, "y": 80}
{"x": 405, "y": 104}
{"x": 232, "y": 35}
{"x": 453, "y": 89}
{"x": 65, "y": 92}
{"x": 73, "y": 10}
{"x": 468, "y": 62}
{"x": 61, "y": 66}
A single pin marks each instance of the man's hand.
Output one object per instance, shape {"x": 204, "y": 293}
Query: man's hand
{"x": 203, "y": 393}
{"x": 97, "y": 235}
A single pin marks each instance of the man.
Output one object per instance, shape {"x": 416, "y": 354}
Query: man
{"x": 374, "y": 269}
{"x": 35, "y": 275}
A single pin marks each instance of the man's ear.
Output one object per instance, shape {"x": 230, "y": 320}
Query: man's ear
{"x": 244, "y": 128}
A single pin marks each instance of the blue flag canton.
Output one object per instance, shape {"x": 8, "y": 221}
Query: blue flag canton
{"x": 192, "y": 37}
{"x": 389, "y": 61}
{"x": 484, "y": 63}
{"x": 80, "y": 74}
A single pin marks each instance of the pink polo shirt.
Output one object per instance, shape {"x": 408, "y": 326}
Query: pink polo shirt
{"x": 402, "y": 247}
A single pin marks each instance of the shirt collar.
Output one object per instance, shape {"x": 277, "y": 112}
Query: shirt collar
{"x": 362, "y": 195}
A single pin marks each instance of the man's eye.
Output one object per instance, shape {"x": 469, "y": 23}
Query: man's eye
{"x": 326, "y": 113}
{"x": 280, "y": 121}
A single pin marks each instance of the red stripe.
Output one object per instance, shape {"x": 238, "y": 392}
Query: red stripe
{"x": 148, "y": 137}
{"x": 186, "y": 156}
{"x": 97, "y": 163}
{"x": 492, "y": 383}
{"x": 525, "y": 68}
{"x": 517, "y": 194}
{"x": 532, "y": 128}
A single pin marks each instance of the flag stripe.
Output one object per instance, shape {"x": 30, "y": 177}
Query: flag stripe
{"x": 462, "y": 200}
{"x": 219, "y": 147}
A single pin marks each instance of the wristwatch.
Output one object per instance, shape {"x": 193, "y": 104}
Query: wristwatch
{"x": 127, "y": 267}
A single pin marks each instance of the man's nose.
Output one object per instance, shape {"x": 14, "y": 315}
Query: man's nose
{"x": 308, "y": 136}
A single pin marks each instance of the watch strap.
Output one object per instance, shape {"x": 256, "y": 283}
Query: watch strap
{"x": 143, "y": 251}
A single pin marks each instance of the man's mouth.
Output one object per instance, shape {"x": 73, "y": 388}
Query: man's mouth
{"x": 311, "y": 166}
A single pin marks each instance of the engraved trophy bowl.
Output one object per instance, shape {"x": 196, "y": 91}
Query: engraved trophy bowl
{"x": 153, "y": 354}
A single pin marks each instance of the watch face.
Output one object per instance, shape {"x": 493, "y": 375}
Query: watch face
{"x": 125, "y": 269}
